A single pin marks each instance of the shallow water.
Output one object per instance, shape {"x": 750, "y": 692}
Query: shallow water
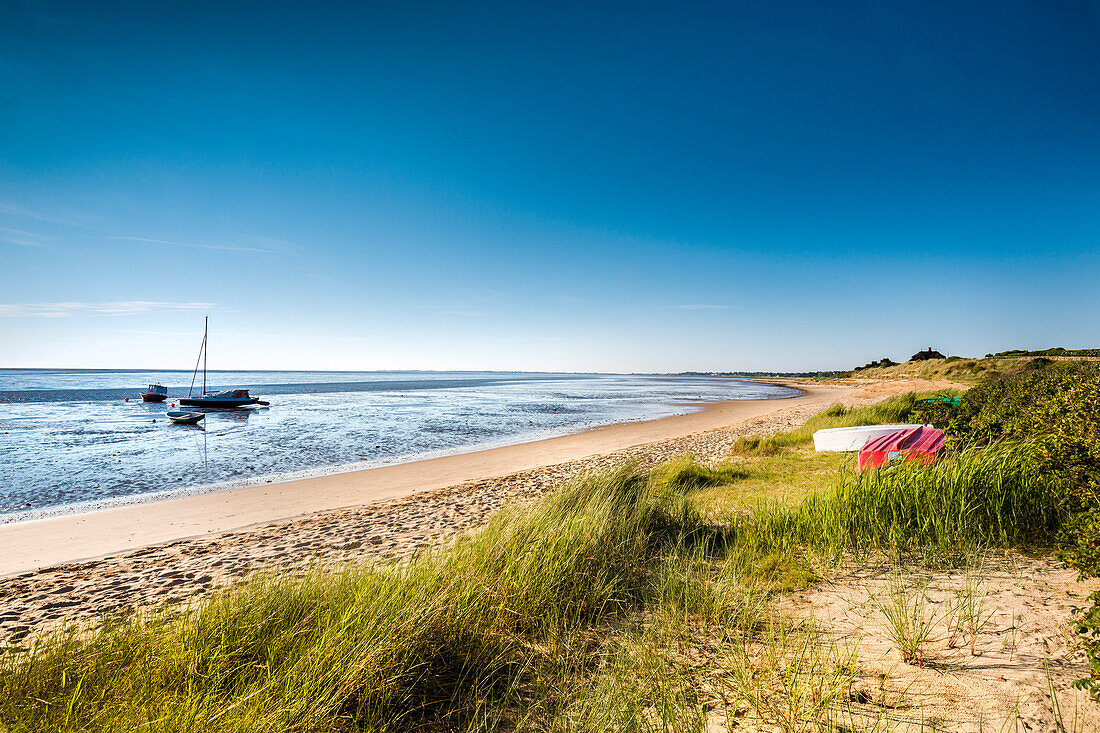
{"x": 69, "y": 441}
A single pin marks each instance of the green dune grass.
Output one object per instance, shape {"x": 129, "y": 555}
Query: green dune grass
{"x": 564, "y": 615}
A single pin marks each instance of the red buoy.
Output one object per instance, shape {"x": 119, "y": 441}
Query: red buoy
{"x": 127, "y": 399}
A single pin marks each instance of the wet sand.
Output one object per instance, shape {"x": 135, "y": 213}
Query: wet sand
{"x": 26, "y": 546}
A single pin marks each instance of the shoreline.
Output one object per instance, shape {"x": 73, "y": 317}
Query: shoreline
{"x": 35, "y": 544}
{"x": 94, "y": 505}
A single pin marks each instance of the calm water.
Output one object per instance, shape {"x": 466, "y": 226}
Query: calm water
{"x": 69, "y": 441}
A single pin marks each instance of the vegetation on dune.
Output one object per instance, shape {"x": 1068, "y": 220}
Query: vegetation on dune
{"x": 1056, "y": 406}
{"x": 968, "y": 370}
{"x": 900, "y": 409}
{"x": 975, "y": 498}
{"x": 953, "y": 368}
{"x": 1055, "y": 351}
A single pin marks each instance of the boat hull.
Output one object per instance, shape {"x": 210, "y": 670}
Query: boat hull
{"x": 843, "y": 440}
{"x": 922, "y": 443}
{"x": 212, "y": 402}
{"x": 185, "y": 418}
{"x": 153, "y": 397}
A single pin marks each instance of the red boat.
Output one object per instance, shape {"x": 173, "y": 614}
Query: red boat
{"x": 155, "y": 393}
{"x": 919, "y": 443}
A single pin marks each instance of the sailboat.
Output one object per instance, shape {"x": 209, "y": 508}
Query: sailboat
{"x": 221, "y": 398}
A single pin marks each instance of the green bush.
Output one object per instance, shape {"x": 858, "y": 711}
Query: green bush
{"x": 1055, "y": 406}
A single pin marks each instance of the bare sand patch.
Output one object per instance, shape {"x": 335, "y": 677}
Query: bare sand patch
{"x": 1025, "y": 647}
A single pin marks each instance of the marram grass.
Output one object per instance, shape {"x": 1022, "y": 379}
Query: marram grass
{"x": 993, "y": 497}
{"x": 445, "y": 638}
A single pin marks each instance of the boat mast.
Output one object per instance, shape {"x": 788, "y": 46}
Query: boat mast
{"x": 200, "y": 357}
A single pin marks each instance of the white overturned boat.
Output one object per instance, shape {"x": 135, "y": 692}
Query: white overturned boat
{"x": 842, "y": 440}
{"x": 180, "y": 417}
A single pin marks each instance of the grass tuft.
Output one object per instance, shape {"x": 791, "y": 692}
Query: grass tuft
{"x": 909, "y": 619}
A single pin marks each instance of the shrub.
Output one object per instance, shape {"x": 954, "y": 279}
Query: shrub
{"x": 1056, "y": 407}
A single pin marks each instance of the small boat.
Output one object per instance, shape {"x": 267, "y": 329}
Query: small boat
{"x": 221, "y": 398}
{"x": 180, "y": 417}
{"x": 842, "y": 440}
{"x": 921, "y": 443}
{"x": 155, "y": 393}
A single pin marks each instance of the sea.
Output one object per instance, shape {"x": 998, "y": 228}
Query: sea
{"x": 72, "y": 440}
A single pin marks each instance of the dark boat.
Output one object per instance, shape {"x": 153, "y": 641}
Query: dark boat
{"x": 221, "y": 398}
{"x": 155, "y": 393}
{"x": 224, "y": 398}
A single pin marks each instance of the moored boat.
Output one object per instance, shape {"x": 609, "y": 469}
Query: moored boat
{"x": 155, "y": 393}
{"x": 842, "y": 440}
{"x": 221, "y": 398}
{"x": 180, "y": 417}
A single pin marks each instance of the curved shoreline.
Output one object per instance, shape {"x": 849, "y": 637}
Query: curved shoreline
{"x": 40, "y": 543}
{"x": 234, "y": 484}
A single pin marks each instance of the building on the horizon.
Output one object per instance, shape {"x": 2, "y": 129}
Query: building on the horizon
{"x": 927, "y": 354}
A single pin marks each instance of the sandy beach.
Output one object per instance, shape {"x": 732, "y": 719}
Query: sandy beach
{"x": 78, "y": 567}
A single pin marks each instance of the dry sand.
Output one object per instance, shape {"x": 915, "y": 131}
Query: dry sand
{"x": 1026, "y": 638}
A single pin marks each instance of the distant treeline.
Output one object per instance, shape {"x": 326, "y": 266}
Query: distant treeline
{"x": 1056, "y": 351}
{"x": 755, "y": 374}
{"x": 883, "y": 362}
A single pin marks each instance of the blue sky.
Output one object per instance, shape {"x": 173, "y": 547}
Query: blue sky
{"x": 614, "y": 187}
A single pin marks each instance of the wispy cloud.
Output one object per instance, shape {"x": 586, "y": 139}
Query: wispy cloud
{"x": 21, "y": 237}
{"x": 29, "y": 219}
{"x": 265, "y": 336}
{"x": 190, "y": 245}
{"x": 701, "y": 307}
{"x": 20, "y": 241}
{"x": 116, "y": 308}
{"x": 6, "y": 207}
